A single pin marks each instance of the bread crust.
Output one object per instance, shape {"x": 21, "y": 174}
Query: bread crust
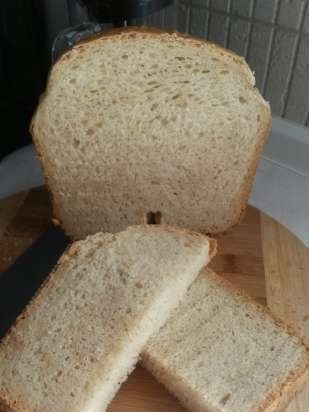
{"x": 278, "y": 399}
{"x": 55, "y": 219}
{"x": 297, "y": 378}
{"x": 155, "y": 31}
{"x": 196, "y": 42}
{"x": 8, "y": 405}
{"x": 264, "y": 133}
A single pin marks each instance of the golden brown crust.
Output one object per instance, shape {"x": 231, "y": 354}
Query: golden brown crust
{"x": 264, "y": 133}
{"x": 183, "y": 231}
{"x": 278, "y": 402}
{"x": 56, "y": 221}
{"x": 197, "y": 41}
{"x": 9, "y": 405}
{"x": 247, "y": 186}
{"x": 154, "y": 30}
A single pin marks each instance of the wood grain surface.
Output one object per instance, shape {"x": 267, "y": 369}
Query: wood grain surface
{"x": 258, "y": 255}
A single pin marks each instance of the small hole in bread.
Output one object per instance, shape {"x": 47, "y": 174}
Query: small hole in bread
{"x": 242, "y": 99}
{"x": 89, "y": 132}
{"x": 225, "y": 398}
{"x": 153, "y": 218}
{"x": 154, "y": 106}
{"x": 76, "y": 143}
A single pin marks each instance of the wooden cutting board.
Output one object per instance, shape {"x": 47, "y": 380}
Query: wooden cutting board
{"x": 259, "y": 255}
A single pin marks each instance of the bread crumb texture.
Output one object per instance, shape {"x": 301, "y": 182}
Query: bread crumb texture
{"x": 140, "y": 122}
{"x": 221, "y": 352}
{"x": 82, "y": 334}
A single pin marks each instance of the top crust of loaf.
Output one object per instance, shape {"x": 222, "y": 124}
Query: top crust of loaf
{"x": 221, "y": 190}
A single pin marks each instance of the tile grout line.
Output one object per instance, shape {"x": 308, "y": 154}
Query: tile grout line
{"x": 208, "y": 18}
{"x": 270, "y": 50}
{"x": 229, "y": 23}
{"x": 175, "y": 9}
{"x": 189, "y": 18}
{"x": 251, "y": 14}
{"x": 306, "y": 122}
{"x": 205, "y": 25}
{"x": 294, "y": 62}
{"x": 69, "y": 11}
{"x": 163, "y": 18}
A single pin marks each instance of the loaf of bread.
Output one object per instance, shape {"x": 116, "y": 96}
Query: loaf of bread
{"x": 82, "y": 334}
{"x": 221, "y": 352}
{"x": 144, "y": 126}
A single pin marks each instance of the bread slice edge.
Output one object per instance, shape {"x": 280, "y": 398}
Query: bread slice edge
{"x": 275, "y": 401}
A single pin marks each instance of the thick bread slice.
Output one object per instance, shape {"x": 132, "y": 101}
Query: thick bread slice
{"x": 221, "y": 352}
{"x": 138, "y": 121}
{"x": 82, "y": 334}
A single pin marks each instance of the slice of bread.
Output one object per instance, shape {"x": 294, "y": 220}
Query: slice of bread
{"x": 82, "y": 334}
{"x": 222, "y": 352}
{"x": 142, "y": 125}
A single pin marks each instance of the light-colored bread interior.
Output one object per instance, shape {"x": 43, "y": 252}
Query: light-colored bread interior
{"x": 221, "y": 352}
{"x": 140, "y": 122}
{"x": 82, "y": 334}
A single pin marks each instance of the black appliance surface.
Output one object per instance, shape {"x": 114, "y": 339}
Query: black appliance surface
{"x": 117, "y": 11}
{"x": 20, "y": 282}
{"x": 23, "y": 69}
